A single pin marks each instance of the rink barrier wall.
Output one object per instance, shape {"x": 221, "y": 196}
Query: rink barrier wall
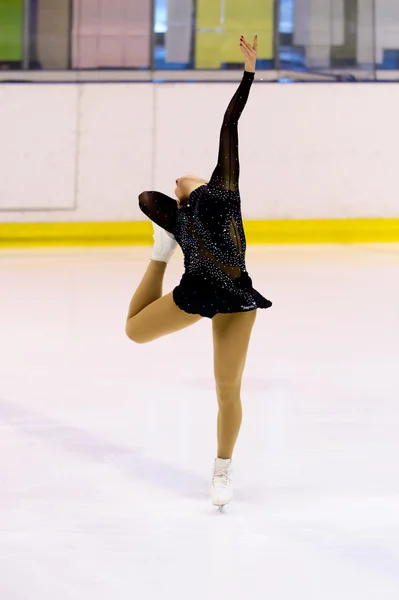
{"x": 327, "y": 231}
{"x": 307, "y": 151}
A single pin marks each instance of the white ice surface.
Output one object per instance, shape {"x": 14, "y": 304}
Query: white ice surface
{"x": 107, "y": 447}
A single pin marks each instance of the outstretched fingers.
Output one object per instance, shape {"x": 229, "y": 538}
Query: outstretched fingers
{"x": 250, "y": 53}
{"x": 249, "y": 50}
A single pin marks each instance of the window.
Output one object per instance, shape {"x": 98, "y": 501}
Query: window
{"x": 318, "y": 36}
{"x": 339, "y": 35}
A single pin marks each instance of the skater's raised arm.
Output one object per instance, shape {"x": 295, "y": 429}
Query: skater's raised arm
{"x": 226, "y": 174}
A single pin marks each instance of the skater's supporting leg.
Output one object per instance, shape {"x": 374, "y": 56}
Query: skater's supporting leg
{"x": 231, "y": 336}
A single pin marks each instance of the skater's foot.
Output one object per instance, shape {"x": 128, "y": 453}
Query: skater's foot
{"x": 164, "y": 245}
{"x": 222, "y": 487}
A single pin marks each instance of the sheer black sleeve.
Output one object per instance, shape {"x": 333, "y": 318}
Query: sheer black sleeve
{"x": 227, "y": 171}
{"x": 160, "y": 209}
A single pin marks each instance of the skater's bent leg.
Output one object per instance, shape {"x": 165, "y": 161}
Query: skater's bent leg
{"x": 152, "y": 315}
{"x": 231, "y": 336}
{"x": 150, "y": 288}
{"x": 159, "y": 318}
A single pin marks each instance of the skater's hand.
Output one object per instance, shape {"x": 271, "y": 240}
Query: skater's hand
{"x": 250, "y": 53}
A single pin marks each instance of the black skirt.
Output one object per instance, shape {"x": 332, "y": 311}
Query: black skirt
{"x": 207, "y": 297}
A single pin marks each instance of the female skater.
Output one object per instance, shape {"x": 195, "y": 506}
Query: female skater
{"x": 206, "y": 221}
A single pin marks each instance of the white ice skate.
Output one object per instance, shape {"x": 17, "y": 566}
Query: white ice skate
{"x": 164, "y": 245}
{"x": 222, "y": 487}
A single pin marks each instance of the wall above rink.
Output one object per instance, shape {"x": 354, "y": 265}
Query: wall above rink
{"x": 81, "y": 153}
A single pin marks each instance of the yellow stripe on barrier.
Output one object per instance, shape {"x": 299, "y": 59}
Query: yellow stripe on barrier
{"x": 75, "y": 234}
{"x": 324, "y": 231}
{"x": 331, "y": 231}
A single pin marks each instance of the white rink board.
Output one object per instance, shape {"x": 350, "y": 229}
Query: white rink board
{"x": 307, "y": 151}
{"x": 38, "y": 147}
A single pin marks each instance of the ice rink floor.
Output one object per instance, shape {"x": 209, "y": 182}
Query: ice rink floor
{"x": 107, "y": 448}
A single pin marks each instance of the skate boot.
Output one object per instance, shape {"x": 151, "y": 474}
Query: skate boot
{"x": 164, "y": 245}
{"x": 222, "y": 488}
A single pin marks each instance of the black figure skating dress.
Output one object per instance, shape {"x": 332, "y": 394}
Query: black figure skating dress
{"x": 210, "y": 230}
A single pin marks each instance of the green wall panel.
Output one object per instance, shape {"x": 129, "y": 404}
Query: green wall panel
{"x": 11, "y": 29}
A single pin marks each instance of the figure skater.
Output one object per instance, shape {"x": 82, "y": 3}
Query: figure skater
{"x": 206, "y": 222}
